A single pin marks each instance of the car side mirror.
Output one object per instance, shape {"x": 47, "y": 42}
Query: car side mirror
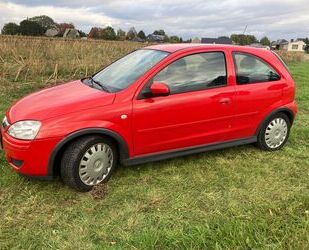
{"x": 159, "y": 89}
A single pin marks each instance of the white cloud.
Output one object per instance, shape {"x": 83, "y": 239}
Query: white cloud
{"x": 84, "y": 17}
{"x": 276, "y": 18}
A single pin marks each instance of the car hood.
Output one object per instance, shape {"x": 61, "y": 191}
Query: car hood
{"x": 63, "y": 99}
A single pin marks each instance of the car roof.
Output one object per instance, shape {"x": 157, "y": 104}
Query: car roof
{"x": 171, "y": 48}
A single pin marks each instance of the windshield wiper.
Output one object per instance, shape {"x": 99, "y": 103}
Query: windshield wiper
{"x": 102, "y": 86}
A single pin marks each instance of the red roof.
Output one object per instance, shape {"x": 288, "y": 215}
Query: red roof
{"x": 181, "y": 46}
{"x": 174, "y": 47}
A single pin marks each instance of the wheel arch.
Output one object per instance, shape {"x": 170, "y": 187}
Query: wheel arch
{"x": 55, "y": 158}
{"x": 288, "y": 112}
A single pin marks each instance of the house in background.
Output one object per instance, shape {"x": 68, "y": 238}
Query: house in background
{"x": 293, "y": 46}
{"x": 138, "y": 39}
{"x": 196, "y": 40}
{"x": 280, "y": 44}
{"x": 71, "y": 33}
{"x": 219, "y": 40}
{"x": 52, "y": 32}
{"x": 155, "y": 38}
{"x": 297, "y": 46}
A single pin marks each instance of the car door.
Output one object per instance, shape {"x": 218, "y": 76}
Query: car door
{"x": 197, "y": 111}
{"x": 258, "y": 91}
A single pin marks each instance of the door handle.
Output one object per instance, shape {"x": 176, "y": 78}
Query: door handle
{"x": 225, "y": 101}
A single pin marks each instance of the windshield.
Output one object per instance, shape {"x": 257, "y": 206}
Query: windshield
{"x": 122, "y": 73}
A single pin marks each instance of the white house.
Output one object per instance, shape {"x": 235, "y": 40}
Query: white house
{"x": 196, "y": 40}
{"x": 293, "y": 46}
{"x": 297, "y": 46}
{"x": 71, "y": 33}
{"x": 52, "y": 32}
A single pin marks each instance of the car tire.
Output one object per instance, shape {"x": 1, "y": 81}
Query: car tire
{"x": 274, "y": 132}
{"x": 88, "y": 161}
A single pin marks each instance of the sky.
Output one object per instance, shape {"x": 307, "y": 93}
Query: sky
{"x": 276, "y": 19}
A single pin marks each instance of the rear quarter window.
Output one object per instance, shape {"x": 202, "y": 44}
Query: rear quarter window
{"x": 251, "y": 69}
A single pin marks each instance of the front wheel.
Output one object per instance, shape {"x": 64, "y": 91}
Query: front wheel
{"x": 274, "y": 132}
{"x": 87, "y": 162}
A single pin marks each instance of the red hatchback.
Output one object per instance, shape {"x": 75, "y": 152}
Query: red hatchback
{"x": 157, "y": 102}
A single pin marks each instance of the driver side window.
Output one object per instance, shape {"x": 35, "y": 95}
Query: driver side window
{"x": 194, "y": 72}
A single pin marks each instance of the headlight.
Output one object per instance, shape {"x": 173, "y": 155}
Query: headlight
{"x": 24, "y": 130}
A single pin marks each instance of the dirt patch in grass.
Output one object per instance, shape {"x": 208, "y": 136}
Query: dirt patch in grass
{"x": 99, "y": 191}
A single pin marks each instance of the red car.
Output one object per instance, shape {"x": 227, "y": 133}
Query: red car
{"x": 155, "y": 103}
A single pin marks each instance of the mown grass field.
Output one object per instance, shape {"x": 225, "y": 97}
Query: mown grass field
{"x": 234, "y": 198}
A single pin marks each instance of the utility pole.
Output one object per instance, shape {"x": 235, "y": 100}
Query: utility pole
{"x": 245, "y": 29}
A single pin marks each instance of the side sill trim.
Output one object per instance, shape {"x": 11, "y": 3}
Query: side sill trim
{"x": 187, "y": 151}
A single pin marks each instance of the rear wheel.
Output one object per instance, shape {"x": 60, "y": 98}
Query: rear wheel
{"x": 87, "y": 162}
{"x": 274, "y": 132}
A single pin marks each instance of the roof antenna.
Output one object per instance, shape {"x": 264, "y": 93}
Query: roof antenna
{"x": 245, "y": 29}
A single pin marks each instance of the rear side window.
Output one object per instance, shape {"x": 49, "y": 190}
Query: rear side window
{"x": 194, "y": 72}
{"x": 251, "y": 69}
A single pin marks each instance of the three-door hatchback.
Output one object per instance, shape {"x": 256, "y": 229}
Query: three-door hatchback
{"x": 158, "y": 102}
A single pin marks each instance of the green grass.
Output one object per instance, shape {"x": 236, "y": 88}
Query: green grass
{"x": 234, "y": 198}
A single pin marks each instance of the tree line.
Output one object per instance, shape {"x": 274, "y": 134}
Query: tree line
{"x": 38, "y": 25}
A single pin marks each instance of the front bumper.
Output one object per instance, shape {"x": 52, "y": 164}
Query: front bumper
{"x": 28, "y": 157}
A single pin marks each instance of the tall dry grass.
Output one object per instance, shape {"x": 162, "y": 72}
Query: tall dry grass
{"x": 30, "y": 59}
{"x": 40, "y": 62}
{"x": 27, "y": 59}
{"x": 291, "y": 57}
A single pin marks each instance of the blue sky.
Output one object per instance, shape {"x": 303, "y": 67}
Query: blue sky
{"x": 194, "y": 18}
